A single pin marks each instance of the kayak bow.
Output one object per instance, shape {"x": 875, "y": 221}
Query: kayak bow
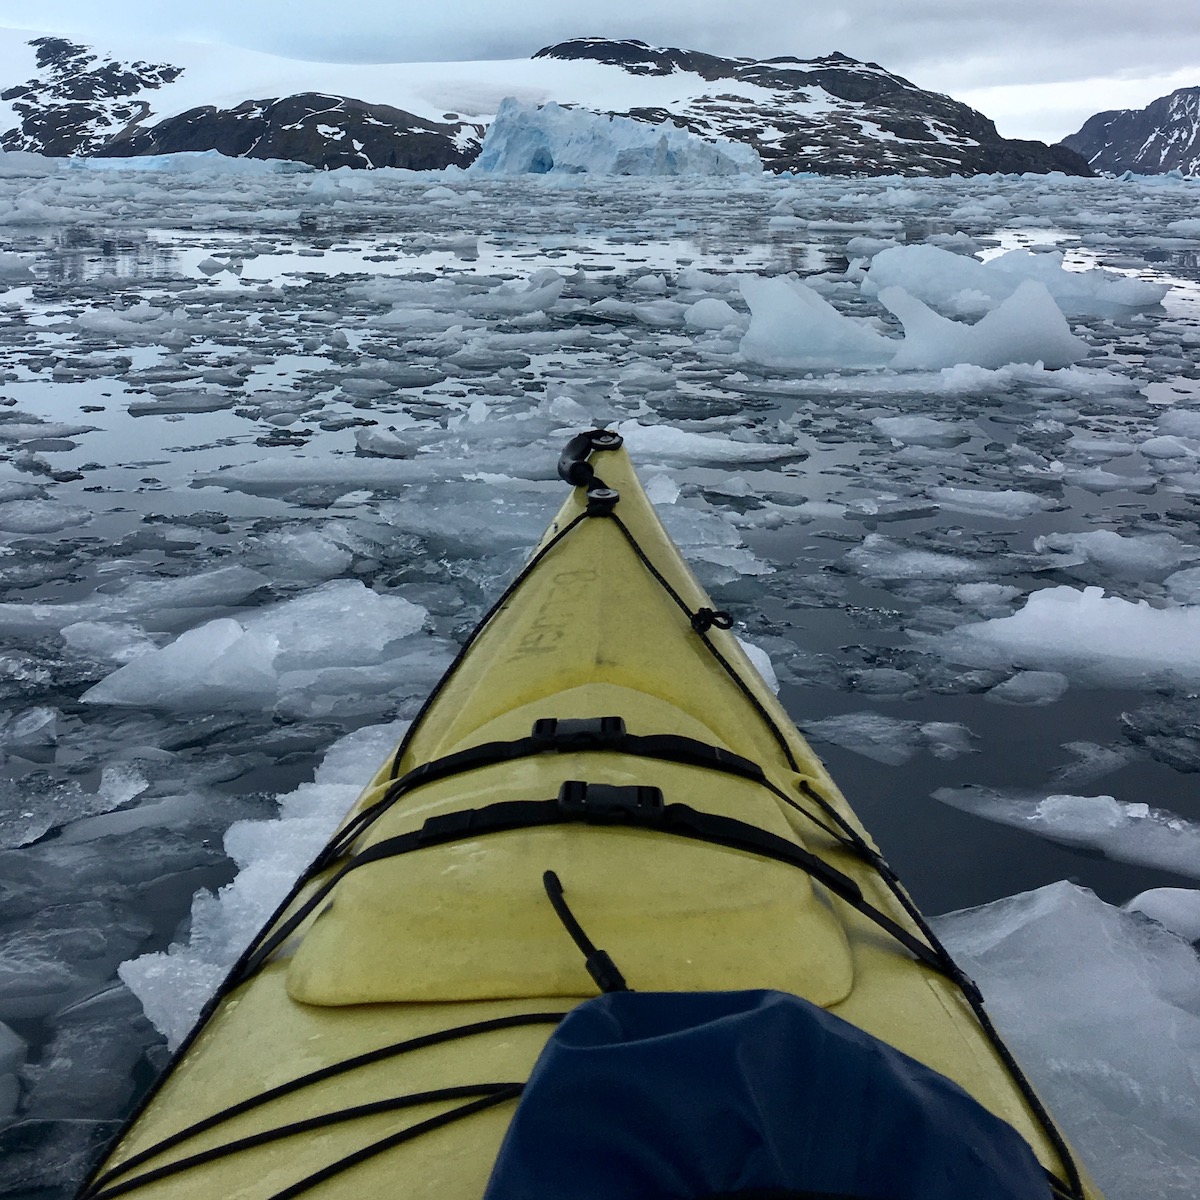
{"x": 600, "y": 794}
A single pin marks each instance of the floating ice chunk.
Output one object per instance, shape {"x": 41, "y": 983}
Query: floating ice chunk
{"x": 536, "y": 294}
{"x": 1095, "y": 292}
{"x": 42, "y": 516}
{"x": 298, "y": 553}
{"x": 707, "y": 535}
{"x": 1170, "y": 446}
{"x": 791, "y": 325}
{"x": 15, "y": 268}
{"x": 1092, "y": 762}
{"x": 881, "y": 558}
{"x": 711, "y": 313}
{"x": 662, "y": 443}
{"x": 227, "y": 663}
{"x": 526, "y": 138}
{"x": 1031, "y": 688}
{"x": 1184, "y": 586}
{"x": 1100, "y": 1007}
{"x": 386, "y": 443}
{"x": 921, "y": 431}
{"x": 118, "y": 642}
{"x": 762, "y": 663}
{"x": 1005, "y": 505}
{"x": 1177, "y": 909}
{"x": 1100, "y": 481}
{"x": 35, "y": 729}
{"x": 1089, "y": 637}
{"x": 1141, "y": 556}
{"x": 986, "y": 595}
{"x": 1125, "y": 831}
{"x": 1027, "y": 327}
{"x": 959, "y": 285}
{"x": 156, "y": 601}
{"x": 890, "y": 740}
{"x": 949, "y": 282}
{"x": 1182, "y": 422}
{"x": 661, "y": 489}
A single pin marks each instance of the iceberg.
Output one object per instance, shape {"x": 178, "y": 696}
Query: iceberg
{"x": 530, "y": 139}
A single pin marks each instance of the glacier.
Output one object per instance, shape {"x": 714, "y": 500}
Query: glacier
{"x": 548, "y": 138}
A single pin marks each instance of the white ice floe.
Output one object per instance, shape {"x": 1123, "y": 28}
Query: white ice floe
{"x": 1031, "y": 688}
{"x": 1102, "y": 1008}
{"x": 792, "y": 326}
{"x": 663, "y": 443}
{"x": 880, "y": 557}
{"x": 1127, "y": 831}
{"x": 174, "y": 985}
{"x": 1026, "y": 327}
{"x": 1006, "y": 504}
{"x": 1139, "y": 556}
{"x": 528, "y": 138}
{"x": 891, "y": 740}
{"x": 158, "y": 603}
{"x": 1088, "y": 636}
{"x": 922, "y": 431}
{"x": 961, "y": 286}
{"x": 296, "y": 648}
{"x": 1176, "y": 909}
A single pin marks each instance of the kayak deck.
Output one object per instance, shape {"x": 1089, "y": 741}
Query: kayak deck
{"x": 604, "y": 725}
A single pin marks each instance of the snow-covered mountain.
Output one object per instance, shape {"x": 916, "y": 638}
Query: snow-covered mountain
{"x": 1163, "y": 136}
{"x": 831, "y": 115}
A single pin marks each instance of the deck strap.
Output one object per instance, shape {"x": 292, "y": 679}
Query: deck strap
{"x": 636, "y": 808}
{"x": 551, "y": 736}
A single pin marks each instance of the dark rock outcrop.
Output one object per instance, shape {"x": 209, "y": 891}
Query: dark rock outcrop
{"x": 830, "y": 115}
{"x": 1163, "y": 136}
{"x": 77, "y": 102}
{"x": 324, "y": 131}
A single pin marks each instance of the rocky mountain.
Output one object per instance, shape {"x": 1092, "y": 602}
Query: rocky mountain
{"x": 832, "y": 115}
{"x": 1163, "y": 136}
{"x": 324, "y": 131}
{"x": 77, "y": 101}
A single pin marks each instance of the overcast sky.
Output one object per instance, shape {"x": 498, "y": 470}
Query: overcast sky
{"x": 1037, "y": 67}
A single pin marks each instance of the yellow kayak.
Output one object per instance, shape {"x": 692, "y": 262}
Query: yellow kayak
{"x": 602, "y": 814}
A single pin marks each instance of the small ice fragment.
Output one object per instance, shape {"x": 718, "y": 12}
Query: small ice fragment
{"x": 922, "y": 431}
{"x": 1177, "y": 909}
{"x": 1031, "y": 688}
{"x": 762, "y": 663}
{"x": 711, "y": 313}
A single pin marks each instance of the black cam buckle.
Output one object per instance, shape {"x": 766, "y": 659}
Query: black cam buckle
{"x": 577, "y": 733}
{"x": 609, "y": 804}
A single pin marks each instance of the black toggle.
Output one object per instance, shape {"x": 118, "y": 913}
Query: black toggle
{"x": 600, "y": 965}
{"x": 608, "y": 804}
{"x": 705, "y": 619}
{"x": 573, "y": 466}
